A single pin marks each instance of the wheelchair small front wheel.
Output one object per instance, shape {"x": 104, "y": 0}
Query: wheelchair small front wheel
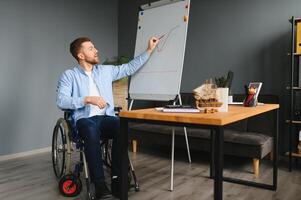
{"x": 70, "y": 185}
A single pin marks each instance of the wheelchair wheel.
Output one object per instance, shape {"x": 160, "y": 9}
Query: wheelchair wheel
{"x": 106, "y": 147}
{"x": 70, "y": 185}
{"x": 58, "y": 149}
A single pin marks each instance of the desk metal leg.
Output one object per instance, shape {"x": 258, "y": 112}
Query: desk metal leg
{"x": 218, "y": 163}
{"x": 275, "y": 156}
{"x": 123, "y": 138}
{"x": 212, "y": 154}
{"x": 272, "y": 186}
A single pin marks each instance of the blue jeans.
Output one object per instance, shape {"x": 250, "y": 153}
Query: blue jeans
{"x": 92, "y": 130}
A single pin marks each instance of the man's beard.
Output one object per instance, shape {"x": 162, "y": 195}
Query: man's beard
{"x": 93, "y": 61}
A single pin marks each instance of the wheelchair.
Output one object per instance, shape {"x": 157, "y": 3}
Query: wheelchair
{"x": 65, "y": 142}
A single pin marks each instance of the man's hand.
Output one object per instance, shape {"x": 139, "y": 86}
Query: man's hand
{"x": 152, "y": 43}
{"x": 95, "y": 100}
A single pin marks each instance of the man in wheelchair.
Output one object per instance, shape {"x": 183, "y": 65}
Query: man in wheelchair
{"x": 86, "y": 89}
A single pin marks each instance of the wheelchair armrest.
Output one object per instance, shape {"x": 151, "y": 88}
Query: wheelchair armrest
{"x": 67, "y": 113}
{"x": 117, "y": 110}
{"x": 67, "y": 110}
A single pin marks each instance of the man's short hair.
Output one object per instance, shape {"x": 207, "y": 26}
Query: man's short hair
{"x": 76, "y": 45}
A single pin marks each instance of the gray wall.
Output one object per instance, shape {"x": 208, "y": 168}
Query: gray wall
{"x": 251, "y": 38}
{"x": 34, "y": 42}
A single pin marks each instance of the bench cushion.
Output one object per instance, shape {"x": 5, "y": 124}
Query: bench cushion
{"x": 239, "y": 143}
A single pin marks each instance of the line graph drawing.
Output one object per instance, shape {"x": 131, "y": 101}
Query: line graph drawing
{"x": 163, "y": 37}
{"x": 166, "y": 37}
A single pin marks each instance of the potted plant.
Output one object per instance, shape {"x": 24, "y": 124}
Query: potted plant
{"x": 224, "y": 84}
{"x": 120, "y": 87}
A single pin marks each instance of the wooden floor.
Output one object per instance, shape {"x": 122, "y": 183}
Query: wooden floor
{"x": 32, "y": 178}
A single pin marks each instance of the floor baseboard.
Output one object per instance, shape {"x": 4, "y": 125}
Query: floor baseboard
{"x": 24, "y": 154}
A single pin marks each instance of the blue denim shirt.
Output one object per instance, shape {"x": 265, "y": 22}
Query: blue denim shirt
{"x": 73, "y": 85}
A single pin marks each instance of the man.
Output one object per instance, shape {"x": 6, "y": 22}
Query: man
{"x": 87, "y": 90}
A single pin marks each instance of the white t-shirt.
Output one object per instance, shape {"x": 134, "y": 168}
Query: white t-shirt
{"x": 93, "y": 91}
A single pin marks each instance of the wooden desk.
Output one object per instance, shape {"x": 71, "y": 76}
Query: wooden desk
{"x": 215, "y": 122}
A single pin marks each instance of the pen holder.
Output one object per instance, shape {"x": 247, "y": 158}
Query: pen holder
{"x": 250, "y": 101}
{"x": 251, "y": 98}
